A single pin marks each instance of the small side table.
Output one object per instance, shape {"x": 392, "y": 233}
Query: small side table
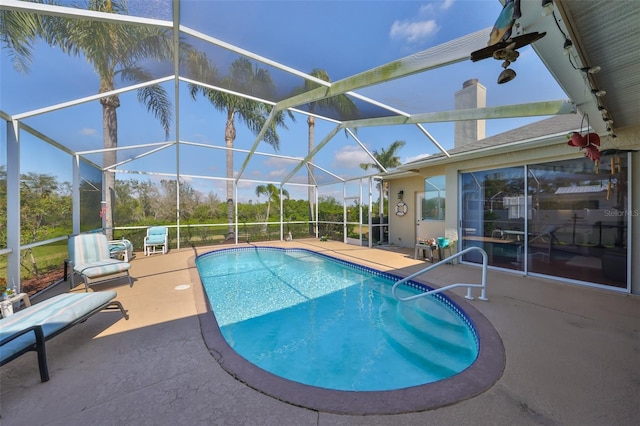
{"x": 424, "y": 248}
{"x": 6, "y": 305}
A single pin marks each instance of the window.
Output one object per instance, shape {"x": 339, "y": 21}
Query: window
{"x": 433, "y": 204}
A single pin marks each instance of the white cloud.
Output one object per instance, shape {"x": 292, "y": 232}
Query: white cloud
{"x": 244, "y": 184}
{"x": 87, "y": 131}
{"x": 350, "y": 156}
{"x": 279, "y": 162}
{"x": 446, "y": 4}
{"x": 430, "y": 8}
{"x": 418, "y": 29}
{"x": 413, "y": 31}
{"x": 426, "y": 9}
{"x": 278, "y": 173}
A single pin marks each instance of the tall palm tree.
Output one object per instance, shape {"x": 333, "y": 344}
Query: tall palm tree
{"x": 341, "y": 104}
{"x": 386, "y": 158}
{"x": 272, "y": 193}
{"x": 113, "y": 50}
{"x": 243, "y": 77}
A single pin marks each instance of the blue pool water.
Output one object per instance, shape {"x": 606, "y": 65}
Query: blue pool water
{"x": 328, "y": 323}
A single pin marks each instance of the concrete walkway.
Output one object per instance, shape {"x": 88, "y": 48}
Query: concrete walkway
{"x": 572, "y": 357}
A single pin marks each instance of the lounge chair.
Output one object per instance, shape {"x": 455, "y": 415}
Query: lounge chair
{"x": 121, "y": 249}
{"x": 156, "y": 236}
{"x": 90, "y": 257}
{"x": 28, "y": 329}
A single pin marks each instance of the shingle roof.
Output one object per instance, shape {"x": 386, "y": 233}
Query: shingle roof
{"x": 551, "y": 126}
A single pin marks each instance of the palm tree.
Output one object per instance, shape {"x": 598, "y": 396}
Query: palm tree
{"x": 113, "y": 50}
{"x": 18, "y": 31}
{"x": 243, "y": 78}
{"x": 272, "y": 193}
{"x": 341, "y": 104}
{"x": 386, "y": 158}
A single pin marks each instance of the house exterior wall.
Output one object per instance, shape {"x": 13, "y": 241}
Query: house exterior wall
{"x": 403, "y": 230}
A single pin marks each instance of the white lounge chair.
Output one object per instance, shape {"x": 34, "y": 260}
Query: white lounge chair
{"x": 90, "y": 257}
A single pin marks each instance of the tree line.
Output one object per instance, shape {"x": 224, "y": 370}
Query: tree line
{"x": 46, "y": 206}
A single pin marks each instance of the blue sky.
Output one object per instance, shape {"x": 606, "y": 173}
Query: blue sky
{"x": 343, "y": 37}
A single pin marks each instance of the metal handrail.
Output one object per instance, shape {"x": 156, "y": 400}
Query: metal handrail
{"x": 483, "y": 285}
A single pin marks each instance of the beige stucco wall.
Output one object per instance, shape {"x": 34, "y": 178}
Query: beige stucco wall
{"x": 402, "y": 230}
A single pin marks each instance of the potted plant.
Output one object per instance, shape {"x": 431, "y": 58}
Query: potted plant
{"x": 3, "y": 287}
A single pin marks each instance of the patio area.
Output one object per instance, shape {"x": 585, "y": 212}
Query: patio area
{"x": 571, "y": 355}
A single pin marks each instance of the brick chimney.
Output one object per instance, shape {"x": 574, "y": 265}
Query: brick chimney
{"x": 472, "y": 95}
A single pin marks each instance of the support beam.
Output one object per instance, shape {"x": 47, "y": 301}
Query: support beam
{"x": 445, "y": 54}
{"x": 13, "y": 205}
{"x": 312, "y": 153}
{"x": 488, "y": 113}
{"x": 264, "y": 129}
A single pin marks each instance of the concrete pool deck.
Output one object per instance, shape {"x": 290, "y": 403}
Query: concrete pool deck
{"x": 572, "y": 356}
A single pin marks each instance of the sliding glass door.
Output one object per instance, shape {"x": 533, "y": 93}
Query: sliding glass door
{"x": 579, "y": 225}
{"x": 493, "y": 215}
{"x": 566, "y": 219}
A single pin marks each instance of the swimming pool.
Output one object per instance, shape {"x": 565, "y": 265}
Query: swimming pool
{"x": 326, "y": 323}
{"x": 314, "y": 338}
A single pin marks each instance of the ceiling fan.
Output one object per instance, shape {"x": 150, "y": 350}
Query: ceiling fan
{"x": 501, "y": 45}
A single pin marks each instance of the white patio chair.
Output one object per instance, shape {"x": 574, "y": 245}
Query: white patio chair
{"x": 121, "y": 249}
{"x": 157, "y": 236}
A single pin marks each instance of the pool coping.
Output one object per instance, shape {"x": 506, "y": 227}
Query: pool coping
{"x": 476, "y": 379}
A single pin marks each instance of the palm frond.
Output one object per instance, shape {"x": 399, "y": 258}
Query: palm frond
{"x": 157, "y": 101}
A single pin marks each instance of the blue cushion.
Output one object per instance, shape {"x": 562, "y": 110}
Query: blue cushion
{"x": 155, "y": 239}
{"x": 120, "y": 245}
{"x": 157, "y": 230}
{"x": 52, "y": 314}
{"x": 101, "y": 268}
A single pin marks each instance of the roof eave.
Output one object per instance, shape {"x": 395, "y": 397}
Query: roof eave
{"x": 539, "y": 142}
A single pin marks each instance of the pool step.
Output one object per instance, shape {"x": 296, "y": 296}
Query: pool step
{"x": 436, "y": 311}
{"x": 452, "y": 336}
{"x": 425, "y": 346}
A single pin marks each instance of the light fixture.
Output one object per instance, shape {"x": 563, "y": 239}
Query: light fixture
{"x": 506, "y": 76}
{"x": 567, "y": 46}
{"x": 547, "y": 7}
{"x": 598, "y": 93}
{"x": 400, "y": 195}
{"x": 602, "y": 109}
{"x": 591, "y": 70}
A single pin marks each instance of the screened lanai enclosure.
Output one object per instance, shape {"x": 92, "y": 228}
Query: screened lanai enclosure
{"x": 225, "y": 121}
